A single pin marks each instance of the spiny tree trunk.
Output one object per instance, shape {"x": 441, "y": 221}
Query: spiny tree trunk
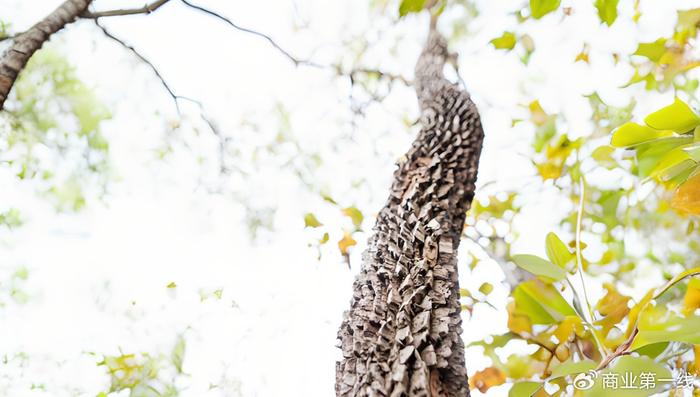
{"x": 15, "y": 58}
{"x": 401, "y": 336}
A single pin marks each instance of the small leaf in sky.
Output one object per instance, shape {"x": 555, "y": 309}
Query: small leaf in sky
{"x": 310, "y": 220}
{"x": 355, "y": 215}
{"x": 324, "y": 239}
{"x": 607, "y": 10}
{"x": 345, "y": 243}
{"x": 540, "y": 267}
{"x": 630, "y": 134}
{"x": 171, "y": 285}
{"x": 537, "y": 114}
{"x": 486, "y": 288}
{"x": 678, "y": 117}
{"x": 583, "y": 55}
{"x": 505, "y": 42}
{"x": 408, "y": 6}
{"x": 653, "y": 50}
{"x": 540, "y": 8}
{"x": 177, "y": 356}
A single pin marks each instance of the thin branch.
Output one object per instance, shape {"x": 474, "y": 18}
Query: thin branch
{"x": 269, "y": 39}
{"x": 146, "y": 9}
{"x": 385, "y": 75}
{"x": 223, "y": 140}
{"x": 144, "y": 60}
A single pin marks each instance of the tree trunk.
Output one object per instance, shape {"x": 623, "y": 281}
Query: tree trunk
{"x": 401, "y": 336}
{"x": 15, "y": 58}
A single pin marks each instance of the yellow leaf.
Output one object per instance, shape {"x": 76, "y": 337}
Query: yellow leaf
{"x": 487, "y": 378}
{"x": 550, "y": 170}
{"x": 686, "y": 200}
{"x": 691, "y": 301}
{"x": 570, "y": 326}
{"x": 345, "y": 243}
{"x": 518, "y": 323}
{"x": 613, "y": 308}
{"x": 583, "y": 55}
{"x": 537, "y": 115}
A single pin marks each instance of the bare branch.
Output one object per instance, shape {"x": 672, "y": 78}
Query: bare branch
{"x": 144, "y": 60}
{"x": 222, "y": 139}
{"x": 381, "y": 74}
{"x": 269, "y": 39}
{"x": 146, "y": 9}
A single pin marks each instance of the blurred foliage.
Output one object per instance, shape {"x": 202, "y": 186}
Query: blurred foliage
{"x": 50, "y": 131}
{"x": 145, "y": 375}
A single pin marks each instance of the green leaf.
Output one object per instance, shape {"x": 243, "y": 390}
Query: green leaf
{"x": 486, "y": 288}
{"x": 649, "y": 154}
{"x": 310, "y": 220}
{"x": 659, "y": 325}
{"x": 671, "y": 164}
{"x": 607, "y": 10}
{"x": 653, "y": 50}
{"x": 678, "y": 117}
{"x": 631, "y": 134}
{"x": 408, "y": 6}
{"x": 540, "y": 267}
{"x": 571, "y": 368}
{"x": 540, "y": 8}
{"x": 541, "y": 302}
{"x": 524, "y": 389}
{"x": 505, "y": 42}
{"x": 177, "y": 356}
{"x": 355, "y": 215}
{"x": 557, "y": 251}
{"x": 693, "y": 151}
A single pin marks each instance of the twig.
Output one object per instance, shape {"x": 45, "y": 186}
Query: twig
{"x": 144, "y": 60}
{"x": 269, "y": 39}
{"x": 389, "y": 76}
{"x": 146, "y": 9}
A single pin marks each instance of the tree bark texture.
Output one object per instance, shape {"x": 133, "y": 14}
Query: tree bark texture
{"x": 402, "y": 334}
{"x": 15, "y": 58}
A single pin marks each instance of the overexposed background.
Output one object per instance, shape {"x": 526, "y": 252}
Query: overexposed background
{"x": 259, "y": 314}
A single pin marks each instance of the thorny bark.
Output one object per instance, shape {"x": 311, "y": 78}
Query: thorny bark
{"x": 15, "y": 58}
{"x": 401, "y": 336}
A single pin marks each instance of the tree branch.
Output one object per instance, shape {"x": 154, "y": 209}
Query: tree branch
{"x": 223, "y": 140}
{"x": 146, "y": 9}
{"x": 295, "y": 60}
{"x": 143, "y": 59}
{"x": 24, "y": 45}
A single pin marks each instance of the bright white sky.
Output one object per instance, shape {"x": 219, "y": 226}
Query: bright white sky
{"x": 97, "y": 279}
